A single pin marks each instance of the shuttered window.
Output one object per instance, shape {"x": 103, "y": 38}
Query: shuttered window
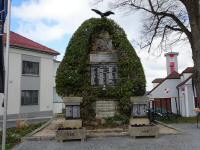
{"x": 30, "y": 68}
{"x": 29, "y": 97}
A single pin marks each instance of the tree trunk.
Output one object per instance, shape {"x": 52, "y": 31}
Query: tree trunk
{"x": 193, "y": 9}
{"x": 196, "y": 59}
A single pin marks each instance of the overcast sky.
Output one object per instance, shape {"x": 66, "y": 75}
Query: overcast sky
{"x": 53, "y": 22}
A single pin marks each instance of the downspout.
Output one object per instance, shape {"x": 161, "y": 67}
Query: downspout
{"x": 178, "y": 100}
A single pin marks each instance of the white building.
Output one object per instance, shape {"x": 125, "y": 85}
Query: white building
{"x": 58, "y": 104}
{"x": 31, "y": 79}
{"x": 176, "y": 92}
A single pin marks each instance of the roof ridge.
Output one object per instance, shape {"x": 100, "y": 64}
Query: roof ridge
{"x": 21, "y": 41}
{"x": 183, "y": 82}
{"x": 188, "y": 70}
{"x": 166, "y": 78}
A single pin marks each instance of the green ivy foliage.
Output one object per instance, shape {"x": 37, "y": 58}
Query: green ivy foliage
{"x": 73, "y": 74}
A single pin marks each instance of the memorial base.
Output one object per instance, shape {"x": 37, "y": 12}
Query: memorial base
{"x": 143, "y": 131}
{"x": 63, "y": 134}
{"x": 72, "y": 123}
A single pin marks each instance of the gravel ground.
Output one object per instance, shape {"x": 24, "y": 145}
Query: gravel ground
{"x": 188, "y": 140}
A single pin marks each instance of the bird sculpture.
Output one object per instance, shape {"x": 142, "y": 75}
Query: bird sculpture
{"x": 103, "y": 15}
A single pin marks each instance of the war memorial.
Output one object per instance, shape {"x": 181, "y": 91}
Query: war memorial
{"x": 103, "y": 71}
{"x": 101, "y": 66}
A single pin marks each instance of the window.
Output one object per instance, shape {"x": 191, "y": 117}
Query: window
{"x": 30, "y": 68}
{"x": 104, "y": 74}
{"x": 29, "y": 97}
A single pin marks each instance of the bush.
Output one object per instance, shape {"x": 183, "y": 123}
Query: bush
{"x": 117, "y": 120}
{"x": 14, "y": 135}
{"x": 73, "y": 76}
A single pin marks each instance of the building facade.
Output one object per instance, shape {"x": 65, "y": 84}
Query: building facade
{"x": 31, "y": 79}
{"x": 174, "y": 94}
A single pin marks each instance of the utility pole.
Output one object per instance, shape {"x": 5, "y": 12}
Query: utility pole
{"x": 6, "y": 75}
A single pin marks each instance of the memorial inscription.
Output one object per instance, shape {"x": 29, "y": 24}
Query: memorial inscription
{"x": 105, "y": 109}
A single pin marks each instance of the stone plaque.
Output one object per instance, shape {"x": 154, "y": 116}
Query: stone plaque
{"x": 69, "y": 112}
{"x": 76, "y": 111}
{"x": 139, "y": 110}
{"x": 105, "y": 109}
{"x": 72, "y": 111}
{"x": 103, "y": 57}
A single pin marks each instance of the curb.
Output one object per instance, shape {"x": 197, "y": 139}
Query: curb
{"x": 112, "y": 134}
{"x": 28, "y": 119}
{"x": 180, "y": 131}
{"x": 29, "y": 135}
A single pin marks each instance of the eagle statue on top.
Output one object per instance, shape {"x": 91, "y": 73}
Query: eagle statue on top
{"x": 103, "y": 15}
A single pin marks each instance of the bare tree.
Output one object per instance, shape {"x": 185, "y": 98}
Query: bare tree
{"x": 169, "y": 22}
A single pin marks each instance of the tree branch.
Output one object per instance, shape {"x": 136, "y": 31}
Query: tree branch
{"x": 165, "y": 14}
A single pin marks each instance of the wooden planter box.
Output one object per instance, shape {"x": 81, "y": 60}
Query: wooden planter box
{"x": 71, "y": 134}
{"x": 144, "y": 131}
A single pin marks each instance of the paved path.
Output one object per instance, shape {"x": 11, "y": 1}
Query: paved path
{"x": 189, "y": 140}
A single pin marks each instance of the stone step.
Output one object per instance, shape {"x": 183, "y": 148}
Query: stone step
{"x": 106, "y": 134}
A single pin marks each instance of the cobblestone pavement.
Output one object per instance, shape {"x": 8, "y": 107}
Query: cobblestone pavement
{"x": 188, "y": 140}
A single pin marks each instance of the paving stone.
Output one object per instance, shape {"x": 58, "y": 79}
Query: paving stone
{"x": 188, "y": 140}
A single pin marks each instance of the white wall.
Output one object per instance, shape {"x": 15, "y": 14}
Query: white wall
{"x": 186, "y": 75}
{"x": 14, "y": 83}
{"x": 55, "y": 67}
{"x": 155, "y": 84}
{"x": 46, "y": 85}
{"x": 189, "y": 100}
{"x": 57, "y": 108}
{"x": 170, "y": 84}
{"x": 14, "y": 86}
{"x": 182, "y": 103}
{"x": 57, "y": 101}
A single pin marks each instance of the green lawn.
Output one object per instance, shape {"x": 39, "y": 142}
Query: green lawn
{"x": 179, "y": 120}
{"x": 14, "y": 135}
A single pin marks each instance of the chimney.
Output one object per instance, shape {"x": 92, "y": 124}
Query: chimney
{"x": 171, "y": 62}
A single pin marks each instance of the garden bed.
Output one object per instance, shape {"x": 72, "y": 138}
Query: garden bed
{"x": 15, "y": 135}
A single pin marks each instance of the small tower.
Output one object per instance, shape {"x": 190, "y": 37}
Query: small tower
{"x": 171, "y": 62}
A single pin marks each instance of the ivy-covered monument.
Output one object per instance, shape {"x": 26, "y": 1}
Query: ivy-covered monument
{"x": 101, "y": 66}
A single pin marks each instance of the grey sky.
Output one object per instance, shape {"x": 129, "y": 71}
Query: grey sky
{"x": 51, "y": 20}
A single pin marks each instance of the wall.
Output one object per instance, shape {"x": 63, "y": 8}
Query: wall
{"x": 14, "y": 87}
{"x": 170, "y": 84}
{"x": 15, "y": 77}
{"x": 30, "y": 82}
{"x": 189, "y": 100}
{"x": 186, "y": 75}
{"x": 46, "y": 85}
{"x": 57, "y": 101}
{"x": 155, "y": 84}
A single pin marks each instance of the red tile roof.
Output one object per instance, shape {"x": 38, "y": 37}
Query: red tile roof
{"x": 173, "y": 75}
{"x": 188, "y": 70}
{"x": 157, "y": 80}
{"x": 17, "y": 40}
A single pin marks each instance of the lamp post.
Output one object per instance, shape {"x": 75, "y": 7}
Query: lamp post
{"x": 6, "y": 75}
